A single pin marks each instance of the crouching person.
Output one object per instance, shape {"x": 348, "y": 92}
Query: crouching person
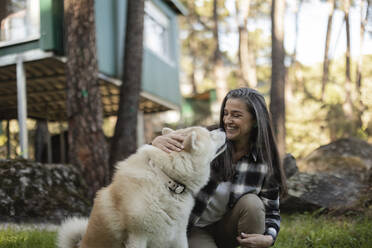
{"x": 240, "y": 204}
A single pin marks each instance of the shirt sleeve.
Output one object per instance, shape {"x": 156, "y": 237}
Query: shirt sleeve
{"x": 270, "y": 197}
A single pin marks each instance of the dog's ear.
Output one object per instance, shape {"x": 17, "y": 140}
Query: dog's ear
{"x": 189, "y": 142}
{"x": 166, "y": 130}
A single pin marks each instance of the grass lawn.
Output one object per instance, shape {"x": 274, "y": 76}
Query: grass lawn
{"x": 308, "y": 231}
{"x": 298, "y": 231}
{"x": 11, "y": 238}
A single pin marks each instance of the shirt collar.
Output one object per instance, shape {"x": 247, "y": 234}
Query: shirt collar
{"x": 251, "y": 156}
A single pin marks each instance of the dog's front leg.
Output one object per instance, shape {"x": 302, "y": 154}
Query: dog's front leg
{"x": 180, "y": 241}
{"x": 136, "y": 241}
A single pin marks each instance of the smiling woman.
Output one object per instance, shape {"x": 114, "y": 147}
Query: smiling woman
{"x": 240, "y": 203}
{"x": 238, "y": 122}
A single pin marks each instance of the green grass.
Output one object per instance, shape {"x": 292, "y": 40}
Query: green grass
{"x": 311, "y": 231}
{"x": 11, "y": 238}
{"x": 298, "y": 231}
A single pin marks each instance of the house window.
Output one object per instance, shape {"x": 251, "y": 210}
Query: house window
{"x": 156, "y": 30}
{"x": 19, "y": 21}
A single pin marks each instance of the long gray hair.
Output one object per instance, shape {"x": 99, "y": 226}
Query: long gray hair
{"x": 262, "y": 140}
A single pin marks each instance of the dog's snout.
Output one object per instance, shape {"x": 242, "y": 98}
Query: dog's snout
{"x": 218, "y": 134}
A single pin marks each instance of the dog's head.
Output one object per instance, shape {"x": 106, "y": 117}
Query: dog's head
{"x": 198, "y": 140}
{"x": 191, "y": 166}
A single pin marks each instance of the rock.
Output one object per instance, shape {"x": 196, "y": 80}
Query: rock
{"x": 348, "y": 157}
{"x": 290, "y": 165}
{"x": 308, "y": 192}
{"x": 334, "y": 176}
{"x": 38, "y": 192}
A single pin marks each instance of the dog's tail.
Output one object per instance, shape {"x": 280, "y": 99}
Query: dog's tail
{"x": 71, "y": 232}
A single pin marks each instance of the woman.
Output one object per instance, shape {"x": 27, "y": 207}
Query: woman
{"x": 240, "y": 204}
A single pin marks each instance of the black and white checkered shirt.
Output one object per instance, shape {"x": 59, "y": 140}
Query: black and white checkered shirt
{"x": 248, "y": 178}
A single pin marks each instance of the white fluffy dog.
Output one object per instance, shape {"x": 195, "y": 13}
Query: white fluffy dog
{"x": 150, "y": 199}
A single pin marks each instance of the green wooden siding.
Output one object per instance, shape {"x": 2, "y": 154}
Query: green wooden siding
{"x": 159, "y": 77}
{"x": 19, "y": 48}
{"x": 51, "y": 25}
{"x": 107, "y": 35}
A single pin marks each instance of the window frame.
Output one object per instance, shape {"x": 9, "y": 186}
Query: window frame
{"x": 158, "y": 16}
{"x": 30, "y": 37}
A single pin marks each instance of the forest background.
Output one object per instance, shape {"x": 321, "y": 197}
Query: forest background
{"x": 316, "y": 77}
{"x": 328, "y": 56}
{"x": 313, "y": 68}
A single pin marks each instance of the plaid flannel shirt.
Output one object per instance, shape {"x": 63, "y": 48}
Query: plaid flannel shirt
{"x": 248, "y": 178}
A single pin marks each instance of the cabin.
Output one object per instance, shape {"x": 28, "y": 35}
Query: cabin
{"x": 32, "y": 60}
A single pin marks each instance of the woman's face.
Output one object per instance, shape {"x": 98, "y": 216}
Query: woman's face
{"x": 237, "y": 120}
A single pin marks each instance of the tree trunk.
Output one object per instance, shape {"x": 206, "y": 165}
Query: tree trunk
{"x": 363, "y": 23}
{"x": 297, "y": 21}
{"x": 193, "y": 49}
{"x": 247, "y": 63}
{"x": 326, "y": 61}
{"x": 348, "y": 104}
{"x": 124, "y": 142}
{"x": 359, "y": 103}
{"x": 277, "y": 99}
{"x": 41, "y": 140}
{"x": 219, "y": 70}
{"x": 4, "y": 9}
{"x": 294, "y": 63}
{"x": 193, "y": 76}
{"x": 87, "y": 144}
{"x": 8, "y": 146}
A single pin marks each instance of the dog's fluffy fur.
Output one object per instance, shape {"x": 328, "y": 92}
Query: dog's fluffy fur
{"x": 137, "y": 209}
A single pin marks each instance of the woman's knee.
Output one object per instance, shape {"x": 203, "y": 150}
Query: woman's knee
{"x": 250, "y": 203}
{"x": 200, "y": 237}
{"x": 251, "y": 214}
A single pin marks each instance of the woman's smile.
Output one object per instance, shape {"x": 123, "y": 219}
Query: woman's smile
{"x": 237, "y": 120}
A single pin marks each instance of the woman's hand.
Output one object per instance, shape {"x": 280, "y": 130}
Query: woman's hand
{"x": 169, "y": 142}
{"x": 255, "y": 240}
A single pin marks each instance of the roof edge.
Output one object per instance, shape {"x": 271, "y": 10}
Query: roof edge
{"x": 178, "y": 7}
